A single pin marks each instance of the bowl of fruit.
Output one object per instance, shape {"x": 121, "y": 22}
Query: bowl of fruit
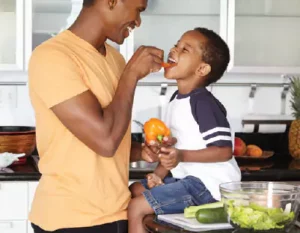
{"x": 249, "y": 151}
{"x": 261, "y": 206}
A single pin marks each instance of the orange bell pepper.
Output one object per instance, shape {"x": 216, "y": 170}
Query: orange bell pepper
{"x": 155, "y": 130}
{"x": 167, "y": 65}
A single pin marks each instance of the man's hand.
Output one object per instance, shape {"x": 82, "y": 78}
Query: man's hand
{"x": 153, "y": 180}
{"x": 150, "y": 153}
{"x": 170, "y": 157}
{"x": 145, "y": 60}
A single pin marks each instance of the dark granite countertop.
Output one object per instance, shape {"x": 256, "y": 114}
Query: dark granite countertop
{"x": 24, "y": 172}
{"x": 280, "y": 167}
{"x": 276, "y": 168}
{"x": 153, "y": 225}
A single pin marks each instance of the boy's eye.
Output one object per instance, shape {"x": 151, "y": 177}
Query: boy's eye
{"x": 184, "y": 49}
{"x": 175, "y": 45}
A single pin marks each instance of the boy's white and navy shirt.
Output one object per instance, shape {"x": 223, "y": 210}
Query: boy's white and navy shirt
{"x": 198, "y": 120}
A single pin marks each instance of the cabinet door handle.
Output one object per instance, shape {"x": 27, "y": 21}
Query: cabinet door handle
{"x": 6, "y": 225}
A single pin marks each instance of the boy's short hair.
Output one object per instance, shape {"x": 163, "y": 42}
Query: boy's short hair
{"x": 215, "y": 53}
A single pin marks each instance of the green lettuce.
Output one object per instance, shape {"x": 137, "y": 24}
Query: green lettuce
{"x": 257, "y": 217}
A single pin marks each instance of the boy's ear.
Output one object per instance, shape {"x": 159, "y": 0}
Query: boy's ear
{"x": 203, "y": 70}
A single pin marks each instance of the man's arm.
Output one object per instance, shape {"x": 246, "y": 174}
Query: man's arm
{"x": 102, "y": 129}
{"x": 136, "y": 152}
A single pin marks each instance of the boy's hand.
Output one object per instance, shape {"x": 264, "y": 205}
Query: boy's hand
{"x": 150, "y": 152}
{"x": 153, "y": 180}
{"x": 170, "y": 157}
{"x": 169, "y": 141}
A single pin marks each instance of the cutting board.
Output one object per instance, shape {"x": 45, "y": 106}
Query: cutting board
{"x": 191, "y": 224}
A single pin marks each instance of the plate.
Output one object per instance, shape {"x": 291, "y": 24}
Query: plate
{"x": 266, "y": 154}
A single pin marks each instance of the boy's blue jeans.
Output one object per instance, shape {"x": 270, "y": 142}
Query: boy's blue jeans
{"x": 177, "y": 194}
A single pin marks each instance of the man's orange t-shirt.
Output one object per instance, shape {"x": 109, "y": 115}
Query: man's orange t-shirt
{"x": 78, "y": 187}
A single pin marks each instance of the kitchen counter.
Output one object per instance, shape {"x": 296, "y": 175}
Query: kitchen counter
{"x": 153, "y": 225}
{"x": 276, "y": 168}
{"x": 24, "y": 172}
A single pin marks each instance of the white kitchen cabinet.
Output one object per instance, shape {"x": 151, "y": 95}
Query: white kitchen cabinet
{"x": 13, "y": 226}
{"x": 264, "y": 36}
{"x": 13, "y": 201}
{"x": 53, "y": 16}
{"x": 31, "y": 192}
{"x": 12, "y": 34}
{"x": 165, "y": 21}
{"x": 49, "y": 18}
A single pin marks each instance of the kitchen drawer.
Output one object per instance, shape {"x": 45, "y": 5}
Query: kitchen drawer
{"x": 13, "y": 201}
{"x": 31, "y": 192}
{"x": 13, "y": 226}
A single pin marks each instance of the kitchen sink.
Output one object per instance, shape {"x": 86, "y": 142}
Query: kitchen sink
{"x": 142, "y": 166}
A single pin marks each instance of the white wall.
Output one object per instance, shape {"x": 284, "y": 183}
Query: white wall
{"x": 147, "y": 101}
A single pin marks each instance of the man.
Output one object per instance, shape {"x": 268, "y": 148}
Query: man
{"x": 82, "y": 94}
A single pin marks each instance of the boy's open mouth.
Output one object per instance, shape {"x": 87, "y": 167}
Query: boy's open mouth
{"x": 171, "y": 61}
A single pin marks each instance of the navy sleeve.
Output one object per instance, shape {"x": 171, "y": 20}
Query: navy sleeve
{"x": 210, "y": 115}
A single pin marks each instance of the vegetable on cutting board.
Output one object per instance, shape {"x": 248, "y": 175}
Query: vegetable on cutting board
{"x": 214, "y": 215}
{"x": 250, "y": 216}
{"x": 155, "y": 130}
{"x": 207, "y": 213}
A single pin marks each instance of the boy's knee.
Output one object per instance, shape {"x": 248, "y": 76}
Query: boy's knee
{"x": 136, "y": 189}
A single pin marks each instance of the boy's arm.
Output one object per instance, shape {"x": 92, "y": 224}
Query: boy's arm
{"x": 161, "y": 171}
{"x": 208, "y": 155}
{"x": 170, "y": 157}
{"x": 140, "y": 151}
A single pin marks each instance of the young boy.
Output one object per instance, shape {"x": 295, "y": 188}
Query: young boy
{"x": 202, "y": 158}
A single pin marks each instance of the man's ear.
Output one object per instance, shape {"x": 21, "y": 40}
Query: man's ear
{"x": 203, "y": 70}
{"x": 112, "y": 4}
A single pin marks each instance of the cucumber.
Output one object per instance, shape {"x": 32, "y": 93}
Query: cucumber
{"x": 190, "y": 212}
{"x": 214, "y": 215}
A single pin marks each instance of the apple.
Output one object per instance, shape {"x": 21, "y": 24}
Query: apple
{"x": 239, "y": 147}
